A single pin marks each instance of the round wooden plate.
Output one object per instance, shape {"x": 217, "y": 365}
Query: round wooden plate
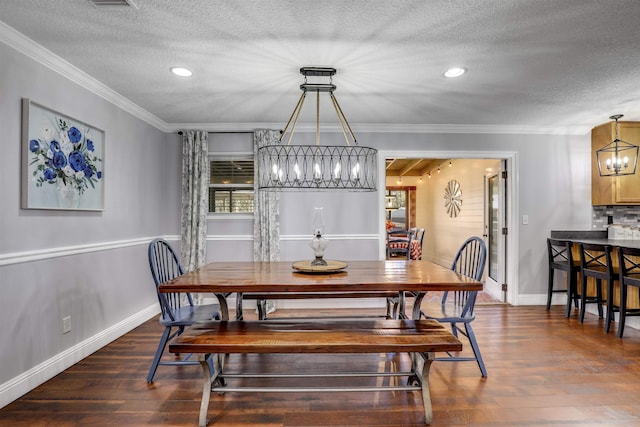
{"x": 331, "y": 267}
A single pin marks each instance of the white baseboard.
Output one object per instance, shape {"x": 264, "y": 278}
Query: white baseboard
{"x": 27, "y": 381}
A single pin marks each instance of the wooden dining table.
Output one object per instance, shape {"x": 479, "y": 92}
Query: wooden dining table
{"x": 415, "y": 276}
{"x": 401, "y": 276}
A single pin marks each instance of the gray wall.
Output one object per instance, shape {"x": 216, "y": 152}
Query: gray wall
{"x": 88, "y": 265}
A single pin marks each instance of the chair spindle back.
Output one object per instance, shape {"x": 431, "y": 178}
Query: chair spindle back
{"x": 165, "y": 266}
{"x": 469, "y": 261}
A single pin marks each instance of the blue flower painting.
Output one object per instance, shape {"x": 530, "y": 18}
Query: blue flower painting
{"x": 63, "y": 156}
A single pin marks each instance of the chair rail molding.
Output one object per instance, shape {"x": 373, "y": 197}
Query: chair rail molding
{"x": 55, "y": 252}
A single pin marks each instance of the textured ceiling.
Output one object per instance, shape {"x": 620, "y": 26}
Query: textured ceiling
{"x": 532, "y": 63}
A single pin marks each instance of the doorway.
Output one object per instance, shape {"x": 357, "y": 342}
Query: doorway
{"x": 474, "y": 208}
{"x": 495, "y": 230}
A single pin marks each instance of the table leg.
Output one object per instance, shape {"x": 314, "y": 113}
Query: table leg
{"x": 206, "y": 389}
{"x": 426, "y": 395}
{"x": 224, "y": 307}
{"x": 417, "y": 302}
{"x": 399, "y": 309}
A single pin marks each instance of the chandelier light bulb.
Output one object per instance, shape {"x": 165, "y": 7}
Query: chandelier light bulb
{"x": 277, "y": 172}
{"x": 296, "y": 170}
{"x": 317, "y": 172}
{"x": 336, "y": 171}
{"x": 355, "y": 172}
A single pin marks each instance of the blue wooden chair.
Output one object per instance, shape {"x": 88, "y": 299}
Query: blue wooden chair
{"x": 178, "y": 310}
{"x": 456, "y": 308}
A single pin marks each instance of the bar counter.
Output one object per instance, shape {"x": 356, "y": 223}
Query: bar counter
{"x": 595, "y": 237}
{"x": 601, "y": 238}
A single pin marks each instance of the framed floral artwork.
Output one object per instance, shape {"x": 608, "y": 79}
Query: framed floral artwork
{"x": 62, "y": 161}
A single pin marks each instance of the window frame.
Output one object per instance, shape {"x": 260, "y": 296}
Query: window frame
{"x": 230, "y": 156}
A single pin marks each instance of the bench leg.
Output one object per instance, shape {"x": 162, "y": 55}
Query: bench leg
{"x": 206, "y": 388}
{"x": 218, "y": 364}
{"x": 426, "y": 395}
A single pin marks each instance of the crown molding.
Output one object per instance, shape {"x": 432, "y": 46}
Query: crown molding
{"x": 390, "y": 128}
{"x": 39, "y": 53}
{"x": 472, "y": 129}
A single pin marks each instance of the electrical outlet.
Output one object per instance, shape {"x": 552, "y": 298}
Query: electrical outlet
{"x": 66, "y": 324}
{"x": 525, "y": 219}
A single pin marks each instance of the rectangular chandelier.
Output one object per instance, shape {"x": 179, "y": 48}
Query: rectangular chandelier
{"x": 317, "y": 167}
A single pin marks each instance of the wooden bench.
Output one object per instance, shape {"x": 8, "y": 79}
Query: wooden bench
{"x": 422, "y": 338}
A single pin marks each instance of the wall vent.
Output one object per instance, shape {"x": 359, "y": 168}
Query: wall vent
{"x": 109, "y": 4}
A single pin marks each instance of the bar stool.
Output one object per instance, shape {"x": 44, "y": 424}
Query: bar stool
{"x": 595, "y": 262}
{"x": 629, "y": 276}
{"x": 561, "y": 258}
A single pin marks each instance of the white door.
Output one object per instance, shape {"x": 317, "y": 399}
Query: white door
{"x": 495, "y": 231}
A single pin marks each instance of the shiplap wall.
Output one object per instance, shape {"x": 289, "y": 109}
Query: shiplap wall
{"x": 445, "y": 234}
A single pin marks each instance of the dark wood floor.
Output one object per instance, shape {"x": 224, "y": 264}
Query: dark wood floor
{"x": 544, "y": 370}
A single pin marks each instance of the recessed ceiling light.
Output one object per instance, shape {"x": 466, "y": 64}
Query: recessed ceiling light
{"x": 181, "y": 71}
{"x": 455, "y": 72}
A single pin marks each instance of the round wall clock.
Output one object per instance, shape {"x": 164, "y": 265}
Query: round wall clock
{"x": 453, "y": 198}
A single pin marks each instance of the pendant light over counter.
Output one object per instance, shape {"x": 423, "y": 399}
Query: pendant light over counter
{"x": 618, "y": 157}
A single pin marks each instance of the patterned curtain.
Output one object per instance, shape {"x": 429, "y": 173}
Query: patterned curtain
{"x": 195, "y": 199}
{"x": 266, "y": 215}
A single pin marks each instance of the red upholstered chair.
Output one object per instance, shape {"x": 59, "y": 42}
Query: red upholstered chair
{"x": 399, "y": 242}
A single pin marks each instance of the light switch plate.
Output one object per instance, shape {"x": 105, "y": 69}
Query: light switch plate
{"x": 66, "y": 324}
